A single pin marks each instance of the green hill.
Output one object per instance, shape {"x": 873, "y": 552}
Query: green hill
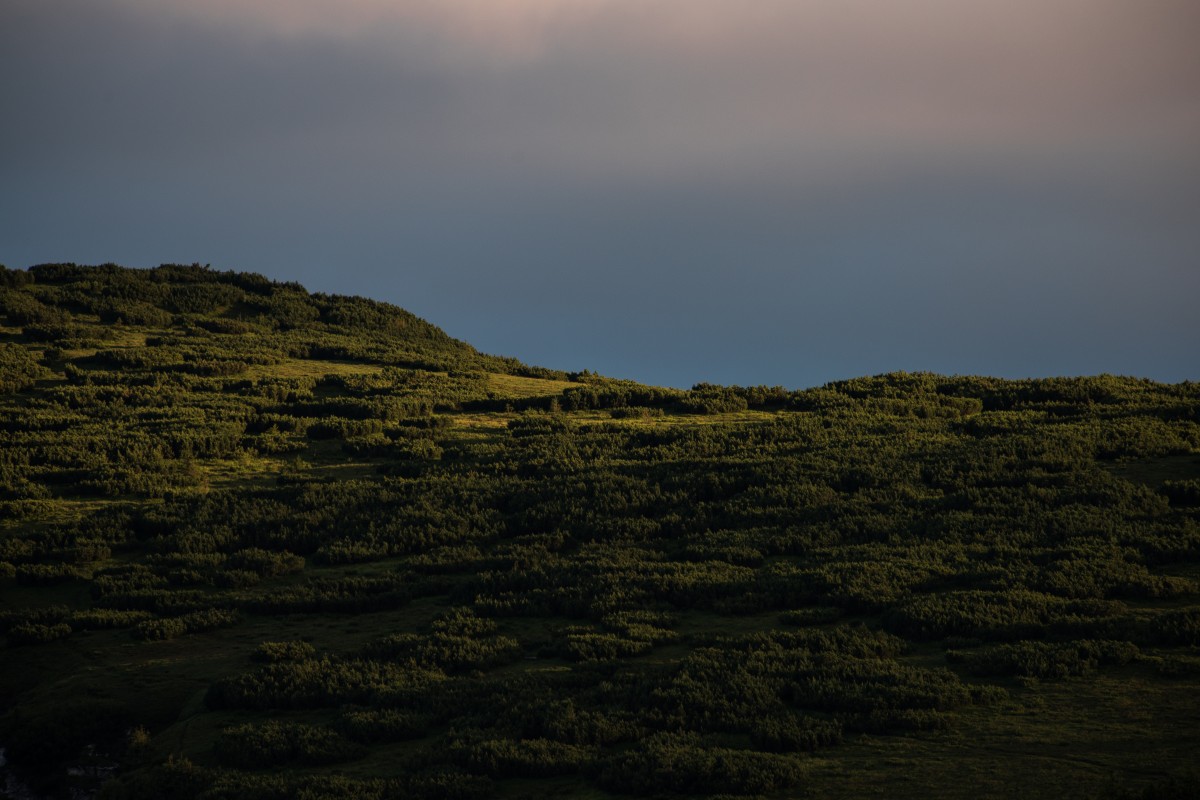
{"x": 256, "y": 541}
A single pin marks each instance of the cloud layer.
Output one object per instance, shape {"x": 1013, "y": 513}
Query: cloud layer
{"x": 611, "y": 82}
{"x": 782, "y": 191}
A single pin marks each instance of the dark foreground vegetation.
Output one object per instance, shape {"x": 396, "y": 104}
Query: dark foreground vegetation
{"x": 259, "y": 543}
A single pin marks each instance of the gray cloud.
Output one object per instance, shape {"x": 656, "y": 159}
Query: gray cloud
{"x": 675, "y": 191}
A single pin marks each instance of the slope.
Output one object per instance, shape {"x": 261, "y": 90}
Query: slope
{"x": 253, "y": 540}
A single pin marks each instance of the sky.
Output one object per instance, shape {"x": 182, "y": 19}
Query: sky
{"x": 780, "y": 192}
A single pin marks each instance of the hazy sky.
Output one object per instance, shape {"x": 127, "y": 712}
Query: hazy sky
{"x": 772, "y": 191}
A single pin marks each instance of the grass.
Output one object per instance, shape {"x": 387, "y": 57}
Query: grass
{"x": 1154, "y": 471}
{"x": 244, "y": 470}
{"x": 518, "y": 387}
{"x": 1072, "y": 739}
{"x": 499, "y": 420}
{"x": 868, "y": 470}
{"x": 117, "y": 336}
{"x": 311, "y": 368}
{"x": 515, "y": 387}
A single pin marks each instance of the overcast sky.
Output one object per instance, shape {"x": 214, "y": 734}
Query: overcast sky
{"x": 775, "y": 191}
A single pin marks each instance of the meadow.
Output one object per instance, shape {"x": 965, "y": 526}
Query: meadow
{"x": 258, "y": 542}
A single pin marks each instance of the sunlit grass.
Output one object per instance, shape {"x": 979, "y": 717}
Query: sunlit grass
{"x": 311, "y": 368}
{"x": 517, "y": 386}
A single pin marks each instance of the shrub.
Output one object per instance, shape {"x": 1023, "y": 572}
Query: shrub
{"x": 195, "y": 622}
{"x": 35, "y": 633}
{"x": 272, "y": 652}
{"x": 276, "y": 743}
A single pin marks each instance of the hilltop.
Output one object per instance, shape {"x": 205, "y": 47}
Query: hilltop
{"x": 254, "y": 539}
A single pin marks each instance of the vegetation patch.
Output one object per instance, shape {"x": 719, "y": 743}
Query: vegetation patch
{"x": 257, "y": 542}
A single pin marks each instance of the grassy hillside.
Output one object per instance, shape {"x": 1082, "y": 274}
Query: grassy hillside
{"x": 254, "y": 540}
